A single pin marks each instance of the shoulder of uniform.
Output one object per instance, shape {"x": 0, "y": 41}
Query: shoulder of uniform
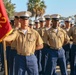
{"x": 34, "y": 31}
{"x": 63, "y": 30}
{"x": 48, "y": 31}
{"x": 17, "y": 31}
{"x": 13, "y": 31}
{"x": 72, "y": 28}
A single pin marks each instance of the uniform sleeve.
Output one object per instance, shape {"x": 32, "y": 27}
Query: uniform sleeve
{"x": 66, "y": 37}
{"x": 70, "y": 32}
{"x": 11, "y": 37}
{"x": 39, "y": 40}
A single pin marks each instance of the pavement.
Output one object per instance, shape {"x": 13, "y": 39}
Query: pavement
{"x": 58, "y": 70}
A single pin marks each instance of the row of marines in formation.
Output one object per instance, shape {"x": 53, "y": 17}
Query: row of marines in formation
{"x": 37, "y": 51}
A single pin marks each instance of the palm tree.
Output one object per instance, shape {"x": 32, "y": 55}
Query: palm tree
{"x": 9, "y": 7}
{"x": 36, "y": 7}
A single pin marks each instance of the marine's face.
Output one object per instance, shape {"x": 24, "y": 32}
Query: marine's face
{"x": 24, "y": 22}
{"x": 42, "y": 24}
{"x": 37, "y": 24}
{"x": 48, "y": 21}
{"x": 55, "y": 23}
{"x": 67, "y": 24}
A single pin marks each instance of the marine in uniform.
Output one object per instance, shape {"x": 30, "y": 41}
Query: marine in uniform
{"x": 38, "y": 52}
{"x": 13, "y": 60}
{"x": 37, "y": 25}
{"x": 41, "y": 32}
{"x": 48, "y": 25}
{"x": 72, "y": 33}
{"x": 42, "y": 26}
{"x": 12, "y": 21}
{"x": 67, "y": 46}
{"x": 28, "y": 40}
{"x": 31, "y": 24}
{"x": 47, "y": 21}
{"x": 72, "y": 24}
{"x": 56, "y": 37}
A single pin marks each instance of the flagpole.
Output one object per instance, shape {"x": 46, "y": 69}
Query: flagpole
{"x": 5, "y": 58}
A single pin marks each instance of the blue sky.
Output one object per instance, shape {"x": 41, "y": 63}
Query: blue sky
{"x": 63, "y": 7}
